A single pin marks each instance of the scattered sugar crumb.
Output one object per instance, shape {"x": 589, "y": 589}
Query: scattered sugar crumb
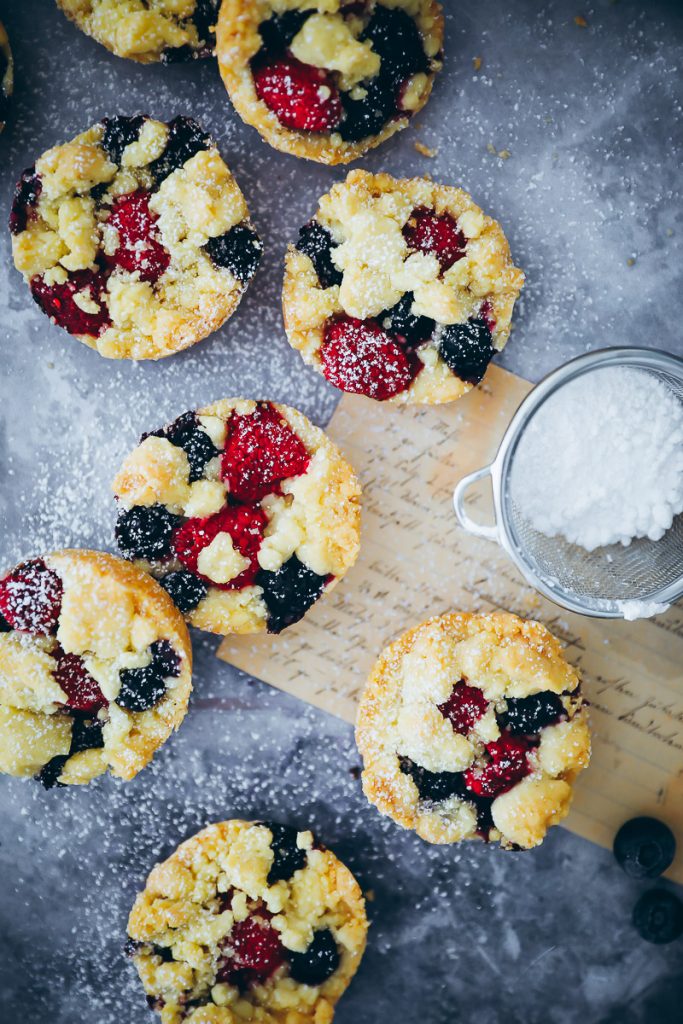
{"x": 580, "y": 21}
{"x": 477, "y": 63}
{"x": 425, "y": 150}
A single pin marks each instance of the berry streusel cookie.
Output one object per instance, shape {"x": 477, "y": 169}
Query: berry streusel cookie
{"x": 6, "y": 75}
{"x": 329, "y": 79}
{"x": 248, "y": 921}
{"x": 401, "y": 290}
{"x": 95, "y": 668}
{"x": 243, "y": 510}
{"x": 134, "y": 237}
{"x": 473, "y": 726}
{"x": 148, "y": 30}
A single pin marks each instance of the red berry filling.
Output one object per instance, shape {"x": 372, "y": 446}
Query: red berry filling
{"x": 82, "y": 691}
{"x": 301, "y": 96}
{"x": 465, "y": 706}
{"x": 358, "y": 356}
{"x": 429, "y": 232}
{"x": 261, "y": 450}
{"x": 31, "y": 598}
{"x": 508, "y": 765}
{"x": 487, "y": 315}
{"x": 245, "y": 525}
{"x": 59, "y": 302}
{"x": 139, "y": 246}
{"x": 251, "y": 953}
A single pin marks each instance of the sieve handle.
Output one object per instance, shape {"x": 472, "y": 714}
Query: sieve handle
{"x": 478, "y": 529}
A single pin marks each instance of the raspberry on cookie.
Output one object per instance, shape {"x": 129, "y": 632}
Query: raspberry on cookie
{"x": 6, "y": 75}
{"x": 134, "y": 236}
{"x": 244, "y": 511}
{"x": 248, "y": 921}
{"x": 164, "y": 30}
{"x": 95, "y": 668}
{"x": 329, "y": 79}
{"x": 473, "y": 726}
{"x": 399, "y": 289}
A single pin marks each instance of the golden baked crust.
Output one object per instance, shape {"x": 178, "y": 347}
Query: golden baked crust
{"x": 312, "y": 516}
{"x": 408, "y": 737}
{"x": 147, "y": 30}
{"x": 112, "y": 617}
{"x": 182, "y": 926}
{"x": 6, "y": 75}
{"x": 74, "y": 222}
{"x": 239, "y": 41}
{"x": 366, "y": 217}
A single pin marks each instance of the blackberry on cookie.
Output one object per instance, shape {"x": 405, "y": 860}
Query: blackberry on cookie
{"x": 95, "y": 668}
{"x": 473, "y": 726}
{"x": 329, "y": 79}
{"x": 244, "y": 511}
{"x": 148, "y": 30}
{"x": 225, "y": 922}
{"x": 399, "y": 290}
{"x": 134, "y": 236}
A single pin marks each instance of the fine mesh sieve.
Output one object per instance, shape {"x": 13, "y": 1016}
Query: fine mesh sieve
{"x": 601, "y": 582}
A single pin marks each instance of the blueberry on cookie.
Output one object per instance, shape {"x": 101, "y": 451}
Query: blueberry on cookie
{"x": 95, "y": 668}
{"x": 134, "y": 237}
{"x": 329, "y": 79}
{"x": 244, "y": 511}
{"x": 400, "y": 290}
{"x": 473, "y": 726}
{"x": 148, "y": 30}
{"x": 227, "y": 930}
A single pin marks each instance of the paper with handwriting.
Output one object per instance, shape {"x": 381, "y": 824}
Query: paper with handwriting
{"x": 416, "y": 562}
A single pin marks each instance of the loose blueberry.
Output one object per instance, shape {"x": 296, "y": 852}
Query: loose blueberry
{"x": 185, "y": 589}
{"x": 289, "y": 593}
{"x": 187, "y": 433}
{"x": 315, "y": 241}
{"x": 278, "y": 31}
{"x": 145, "y": 531}
{"x": 658, "y": 916}
{"x": 26, "y": 196}
{"x": 396, "y": 38}
{"x": 433, "y": 786}
{"x": 239, "y": 251}
{"x": 287, "y": 857}
{"x": 528, "y": 715}
{"x": 119, "y": 132}
{"x": 318, "y": 962}
{"x": 467, "y": 349}
{"x": 141, "y": 688}
{"x": 49, "y": 773}
{"x": 644, "y": 847}
{"x": 400, "y": 322}
{"x": 185, "y": 139}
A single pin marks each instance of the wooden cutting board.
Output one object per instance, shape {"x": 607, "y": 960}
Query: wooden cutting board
{"x": 416, "y": 562}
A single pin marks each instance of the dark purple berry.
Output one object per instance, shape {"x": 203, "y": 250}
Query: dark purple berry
{"x": 366, "y": 117}
{"x": 141, "y": 688}
{"x": 287, "y": 857}
{"x": 49, "y": 773}
{"x": 400, "y": 322}
{"x": 239, "y": 250}
{"x": 433, "y": 786}
{"x": 185, "y": 139}
{"x": 644, "y": 847}
{"x": 165, "y": 659}
{"x": 204, "y": 19}
{"x": 4, "y": 625}
{"x": 187, "y": 433}
{"x": 131, "y": 947}
{"x": 145, "y": 531}
{"x": 315, "y": 241}
{"x": 318, "y": 962}
{"x": 26, "y": 196}
{"x": 86, "y": 734}
{"x": 396, "y": 38}
{"x": 658, "y": 916}
{"x": 467, "y": 349}
{"x": 119, "y": 132}
{"x": 528, "y": 715}
{"x": 278, "y": 31}
{"x": 289, "y": 592}
{"x": 185, "y": 589}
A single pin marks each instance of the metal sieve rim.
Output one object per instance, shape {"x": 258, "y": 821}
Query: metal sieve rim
{"x": 499, "y": 471}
